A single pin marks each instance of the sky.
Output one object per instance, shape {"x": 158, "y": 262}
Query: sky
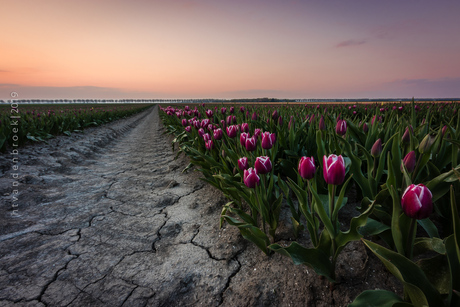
{"x": 53, "y": 49}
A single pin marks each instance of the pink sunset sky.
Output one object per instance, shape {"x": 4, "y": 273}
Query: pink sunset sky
{"x": 230, "y": 49}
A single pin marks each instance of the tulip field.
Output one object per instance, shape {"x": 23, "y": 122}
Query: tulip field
{"x": 20, "y": 123}
{"x": 397, "y": 164}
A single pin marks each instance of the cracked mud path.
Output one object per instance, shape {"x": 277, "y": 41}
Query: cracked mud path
{"x": 107, "y": 218}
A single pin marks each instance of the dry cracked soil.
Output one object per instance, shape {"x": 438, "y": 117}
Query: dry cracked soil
{"x": 108, "y": 218}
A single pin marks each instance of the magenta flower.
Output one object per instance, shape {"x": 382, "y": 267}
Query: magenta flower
{"x": 341, "y": 128}
{"x": 184, "y": 122}
{"x": 209, "y": 144}
{"x": 268, "y": 140}
{"x": 251, "y": 143}
{"x": 232, "y": 110}
{"x": 307, "y": 167}
{"x": 250, "y": 178}
{"x": 257, "y": 133}
{"x": 206, "y": 137}
{"x": 254, "y": 116}
{"x": 263, "y": 165}
{"x": 232, "y": 131}
{"x": 409, "y": 161}
{"x": 205, "y": 122}
{"x": 209, "y": 113}
{"x": 188, "y": 129}
{"x": 334, "y": 169}
{"x": 243, "y": 137}
{"x": 245, "y": 127}
{"x": 218, "y": 134}
{"x": 322, "y": 125}
{"x": 406, "y": 136}
{"x": 376, "y": 148}
{"x": 243, "y": 163}
{"x": 275, "y": 115}
{"x": 416, "y": 201}
{"x": 223, "y": 110}
{"x": 365, "y": 128}
{"x": 201, "y": 132}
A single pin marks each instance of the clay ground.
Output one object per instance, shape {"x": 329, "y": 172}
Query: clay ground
{"x": 107, "y": 218}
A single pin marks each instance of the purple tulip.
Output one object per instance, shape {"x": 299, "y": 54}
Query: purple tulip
{"x": 406, "y": 136}
{"x": 263, "y": 165}
{"x": 365, "y": 128}
{"x": 409, "y": 161}
{"x": 188, "y": 129}
{"x": 201, "y": 132}
{"x": 245, "y": 127}
{"x": 184, "y": 122}
{"x": 254, "y": 116}
{"x": 218, "y": 134}
{"x": 257, "y": 132}
{"x": 232, "y": 110}
{"x": 322, "y": 125}
{"x": 341, "y": 128}
{"x": 231, "y": 131}
{"x": 209, "y": 144}
{"x": 243, "y": 163}
{"x": 280, "y": 121}
{"x": 334, "y": 169}
{"x": 209, "y": 113}
{"x": 307, "y": 167}
{"x": 416, "y": 202}
{"x": 223, "y": 110}
{"x": 206, "y": 137}
{"x": 377, "y": 148}
{"x": 242, "y": 109}
{"x": 250, "y": 178}
{"x": 268, "y": 140}
{"x": 251, "y": 144}
{"x": 243, "y": 137}
{"x": 275, "y": 115}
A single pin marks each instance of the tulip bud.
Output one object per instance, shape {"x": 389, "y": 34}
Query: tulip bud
{"x": 209, "y": 113}
{"x": 250, "y": 178}
{"x": 280, "y": 121}
{"x": 188, "y": 129}
{"x": 322, "y": 125}
{"x": 257, "y": 132}
{"x": 426, "y": 143}
{"x": 409, "y": 161}
{"x": 291, "y": 122}
{"x": 406, "y": 136}
{"x": 184, "y": 122}
{"x": 268, "y": 140}
{"x": 365, "y": 128}
{"x": 416, "y": 202}
{"x": 242, "y": 109}
{"x": 245, "y": 127}
{"x": 443, "y": 131}
{"x": 231, "y": 131}
{"x": 306, "y": 167}
{"x": 263, "y": 165}
{"x": 341, "y": 128}
{"x": 223, "y": 110}
{"x": 254, "y": 116}
{"x": 243, "y": 163}
{"x": 275, "y": 115}
{"x": 218, "y": 134}
{"x": 334, "y": 169}
{"x": 377, "y": 148}
{"x": 251, "y": 144}
{"x": 232, "y": 110}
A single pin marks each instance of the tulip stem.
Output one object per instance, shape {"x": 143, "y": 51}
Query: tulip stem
{"x": 410, "y": 239}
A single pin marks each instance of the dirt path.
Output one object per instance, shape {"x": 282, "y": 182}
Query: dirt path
{"x": 107, "y": 218}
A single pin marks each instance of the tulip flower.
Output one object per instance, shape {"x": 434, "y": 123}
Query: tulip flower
{"x": 184, "y": 122}
{"x": 409, "y": 161}
{"x": 268, "y": 140}
{"x": 341, "y": 128}
{"x": 243, "y": 137}
{"x": 307, "y": 167}
{"x": 254, "y": 116}
{"x": 231, "y": 131}
{"x": 223, "y": 110}
{"x": 250, "y": 178}
{"x": 257, "y": 132}
{"x": 209, "y": 113}
{"x": 406, "y": 136}
{"x": 365, "y": 128}
{"x": 426, "y": 143}
{"x": 263, "y": 165}
{"x": 377, "y": 148}
{"x": 232, "y": 110}
{"x": 416, "y": 202}
{"x": 280, "y": 121}
{"x": 334, "y": 169}
{"x": 243, "y": 163}
{"x": 275, "y": 115}
{"x": 209, "y": 144}
{"x": 188, "y": 129}
{"x": 251, "y": 144}
{"x": 322, "y": 125}
{"x": 245, "y": 127}
{"x": 206, "y": 137}
{"x": 205, "y": 122}
{"x": 201, "y": 132}
{"x": 218, "y": 134}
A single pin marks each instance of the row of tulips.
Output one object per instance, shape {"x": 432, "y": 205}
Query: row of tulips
{"x": 20, "y": 123}
{"x": 401, "y": 159}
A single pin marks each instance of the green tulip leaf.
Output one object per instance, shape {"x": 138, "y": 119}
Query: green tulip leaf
{"x": 376, "y": 298}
